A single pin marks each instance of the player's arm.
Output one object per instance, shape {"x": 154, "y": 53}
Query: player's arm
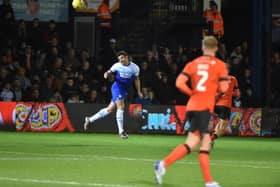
{"x": 181, "y": 83}
{"x": 137, "y": 83}
{"x": 223, "y": 84}
{"x": 110, "y": 71}
{"x": 107, "y": 74}
{"x": 223, "y": 78}
{"x": 236, "y": 90}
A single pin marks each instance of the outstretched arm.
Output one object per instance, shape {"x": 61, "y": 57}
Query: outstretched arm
{"x": 107, "y": 73}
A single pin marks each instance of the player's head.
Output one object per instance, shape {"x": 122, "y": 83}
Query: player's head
{"x": 123, "y": 57}
{"x": 209, "y": 44}
{"x": 213, "y": 5}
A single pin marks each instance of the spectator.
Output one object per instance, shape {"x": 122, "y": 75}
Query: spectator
{"x": 215, "y": 21}
{"x": 146, "y": 75}
{"x": 84, "y": 92}
{"x": 70, "y": 58}
{"x": 22, "y": 35}
{"x": 50, "y": 33}
{"x": 8, "y": 28}
{"x": 46, "y": 89}
{"x": 56, "y": 97}
{"x": 24, "y": 80}
{"x": 74, "y": 98}
{"x": 34, "y": 94}
{"x": 236, "y": 59}
{"x": 18, "y": 92}
{"x": 69, "y": 89}
{"x": 152, "y": 59}
{"x": 247, "y": 99}
{"x": 35, "y": 35}
{"x": 7, "y": 93}
{"x": 94, "y": 97}
{"x": 165, "y": 92}
{"x": 146, "y": 100}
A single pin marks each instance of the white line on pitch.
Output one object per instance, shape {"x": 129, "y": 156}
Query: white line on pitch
{"x": 73, "y": 183}
{"x": 243, "y": 164}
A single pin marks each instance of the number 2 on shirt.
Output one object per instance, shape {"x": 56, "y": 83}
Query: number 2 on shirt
{"x": 204, "y": 76}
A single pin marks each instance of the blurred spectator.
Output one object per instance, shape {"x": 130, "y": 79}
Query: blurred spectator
{"x": 50, "y": 33}
{"x": 35, "y": 35}
{"x": 24, "y": 81}
{"x": 7, "y": 24}
{"x": 21, "y": 33}
{"x": 46, "y": 89}
{"x": 180, "y": 57}
{"x": 16, "y": 87}
{"x": 146, "y": 100}
{"x": 94, "y": 97}
{"x": 56, "y": 97}
{"x": 34, "y": 95}
{"x": 26, "y": 59}
{"x": 145, "y": 75}
{"x": 165, "y": 92}
{"x": 71, "y": 58}
{"x": 247, "y": 98}
{"x": 245, "y": 80}
{"x": 69, "y": 89}
{"x": 215, "y": 21}
{"x": 86, "y": 70}
{"x": 6, "y": 7}
{"x": 7, "y": 93}
{"x": 222, "y": 51}
{"x": 74, "y": 98}
{"x": 152, "y": 59}
{"x": 152, "y": 97}
{"x": 165, "y": 59}
{"x": 84, "y": 92}
{"x": 105, "y": 94}
{"x": 236, "y": 59}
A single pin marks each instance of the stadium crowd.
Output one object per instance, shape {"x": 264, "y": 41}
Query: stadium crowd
{"x": 37, "y": 65}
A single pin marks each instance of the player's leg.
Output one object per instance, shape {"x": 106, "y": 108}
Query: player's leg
{"x": 119, "y": 118}
{"x": 203, "y": 157}
{"x": 100, "y": 114}
{"x": 179, "y": 152}
{"x": 204, "y": 161}
{"x": 223, "y": 113}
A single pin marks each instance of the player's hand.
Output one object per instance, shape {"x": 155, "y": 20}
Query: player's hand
{"x": 140, "y": 95}
{"x": 106, "y": 75}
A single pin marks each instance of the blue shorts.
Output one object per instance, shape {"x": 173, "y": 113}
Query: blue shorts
{"x": 118, "y": 93}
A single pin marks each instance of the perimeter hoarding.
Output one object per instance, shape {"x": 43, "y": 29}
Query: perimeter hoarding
{"x": 57, "y": 10}
{"x": 144, "y": 119}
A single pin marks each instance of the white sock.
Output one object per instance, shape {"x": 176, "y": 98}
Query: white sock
{"x": 100, "y": 114}
{"x": 119, "y": 118}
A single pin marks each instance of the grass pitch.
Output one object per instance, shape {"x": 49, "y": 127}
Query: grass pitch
{"x": 105, "y": 160}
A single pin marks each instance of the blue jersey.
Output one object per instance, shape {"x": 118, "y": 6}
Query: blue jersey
{"x": 124, "y": 76}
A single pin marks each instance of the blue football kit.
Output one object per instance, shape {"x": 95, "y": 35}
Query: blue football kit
{"x": 124, "y": 77}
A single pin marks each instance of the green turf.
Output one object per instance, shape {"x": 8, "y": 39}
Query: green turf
{"x": 105, "y": 160}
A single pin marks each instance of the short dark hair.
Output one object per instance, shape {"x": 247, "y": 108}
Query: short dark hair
{"x": 213, "y": 3}
{"x": 122, "y": 53}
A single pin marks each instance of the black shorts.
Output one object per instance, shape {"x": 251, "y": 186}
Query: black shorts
{"x": 223, "y": 112}
{"x": 199, "y": 121}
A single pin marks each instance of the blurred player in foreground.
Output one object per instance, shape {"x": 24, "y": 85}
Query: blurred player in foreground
{"x": 207, "y": 74}
{"x": 223, "y": 107}
{"x": 125, "y": 73}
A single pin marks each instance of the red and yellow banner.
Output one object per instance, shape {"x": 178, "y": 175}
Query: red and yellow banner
{"x": 38, "y": 117}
